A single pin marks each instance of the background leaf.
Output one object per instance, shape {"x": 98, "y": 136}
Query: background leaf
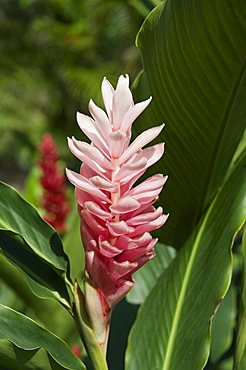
{"x": 73, "y": 247}
{"x": 146, "y": 277}
{"x": 14, "y": 358}
{"x": 223, "y": 325}
{"x": 20, "y": 217}
{"x": 240, "y": 353}
{"x": 26, "y": 334}
{"x": 194, "y": 60}
{"x": 172, "y": 330}
{"x": 41, "y": 274}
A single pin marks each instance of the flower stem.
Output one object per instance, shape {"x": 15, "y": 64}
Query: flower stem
{"x": 93, "y": 348}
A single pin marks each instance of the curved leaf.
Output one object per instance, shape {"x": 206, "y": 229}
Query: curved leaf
{"x": 42, "y": 275}
{"x": 73, "y": 247}
{"x": 146, "y": 277}
{"x": 28, "y": 335}
{"x": 20, "y": 217}
{"x": 172, "y": 330}
{"x": 14, "y": 358}
{"x": 194, "y": 60}
{"x": 240, "y": 352}
{"x": 223, "y": 325}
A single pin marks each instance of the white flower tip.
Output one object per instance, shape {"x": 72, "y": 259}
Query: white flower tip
{"x": 78, "y": 115}
{"x": 69, "y": 140}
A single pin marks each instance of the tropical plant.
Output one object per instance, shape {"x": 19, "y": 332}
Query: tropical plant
{"x": 192, "y": 294}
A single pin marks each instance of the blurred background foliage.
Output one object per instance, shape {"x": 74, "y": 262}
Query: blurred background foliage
{"x": 53, "y": 56}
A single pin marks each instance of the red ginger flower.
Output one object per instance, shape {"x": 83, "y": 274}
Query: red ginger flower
{"x": 116, "y": 217}
{"x": 54, "y": 200}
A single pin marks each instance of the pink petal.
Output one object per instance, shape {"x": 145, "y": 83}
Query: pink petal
{"x": 92, "y": 223}
{"x": 129, "y": 171}
{"x": 85, "y": 185}
{"x": 119, "y": 228}
{"x": 133, "y": 113}
{"x": 152, "y": 183}
{"x": 118, "y": 291}
{"x": 108, "y": 250}
{"x": 107, "y": 93}
{"x": 101, "y": 119}
{"x": 117, "y": 141}
{"x": 133, "y": 254}
{"x": 118, "y": 270}
{"x": 122, "y": 101}
{"x": 153, "y": 225}
{"x": 90, "y": 129}
{"x": 124, "y": 205}
{"x": 88, "y": 154}
{"x": 87, "y": 237}
{"x": 145, "y": 217}
{"x": 96, "y": 210}
{"x": 142, "y": 140}
{"x": 104, "y": 184}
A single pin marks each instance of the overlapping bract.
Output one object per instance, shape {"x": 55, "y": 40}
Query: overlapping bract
{"x": 117, "y": 218}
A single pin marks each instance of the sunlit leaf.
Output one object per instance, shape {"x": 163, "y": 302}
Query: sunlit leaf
{"x": 26, "y": 334}
{"x": 193, "y": 56}
{"x": 172, "y": 330}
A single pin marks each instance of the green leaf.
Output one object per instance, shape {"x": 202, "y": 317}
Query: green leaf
{"x": 193, "y": 54}
{"x": 26, "y": 334}
{"x": 223, "y": 325}
{"x": 240, "y": 353}
{"x": 44, "y": 281}
{"x": 146, "y": 277}
{"x": 20, "y": 217}
{"x": 172, "y": 330}
{"x": 47, "y": 311}
{"x": 74, "y": 248}
{"x": 14, "y": 358}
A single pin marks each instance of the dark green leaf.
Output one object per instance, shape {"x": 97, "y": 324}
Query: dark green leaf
{"x": 223, "y": 326}
{"x": 146, "y": 277}
{"x": 194, "y": 62}
{"x": 74, "y": 248}
{"x": 14, "y": 358}
{"x": 172, "y": 330}
{"x": 20, "y": 217}
{"x": 28, "y": 335}
{"x": 44, "y": 280}
{"x": 240, "y": 353}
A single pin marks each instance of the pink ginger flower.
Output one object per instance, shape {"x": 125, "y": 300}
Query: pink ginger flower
{"x": 116, "y": 218}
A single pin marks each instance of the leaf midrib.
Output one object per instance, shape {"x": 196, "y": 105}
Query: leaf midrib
{"x": 217, "y": 145}
{"x": 184, "y": 286}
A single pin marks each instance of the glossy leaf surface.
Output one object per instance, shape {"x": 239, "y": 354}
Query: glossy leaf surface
{"x": 20, "y": 217}
{"x": 194, "y": 63}
{"x": 146, "y": 277}
{"x": 26, "y": 334}
{"x": 172, "y": 330}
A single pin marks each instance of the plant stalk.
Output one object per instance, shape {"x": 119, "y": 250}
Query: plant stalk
{"x": 96, "y": 354}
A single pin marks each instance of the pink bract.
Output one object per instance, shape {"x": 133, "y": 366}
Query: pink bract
{"x": 116, "y": 216}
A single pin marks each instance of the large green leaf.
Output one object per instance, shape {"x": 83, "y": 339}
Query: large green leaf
{"x": 146, "y": 277}
{"x": 240, "y": 353}
{"x": 194, "y": 63}
{"x": 20, "y": 217}
{"x": 34, "y": 246}
{"x": 172, "y": 330}
{"x": 223, "y": 326}
{"x": 26, "y": 334}
{"x": 44, "y": 280}
{"x": 49, "y": 312}
{"x": 14, "y": 358}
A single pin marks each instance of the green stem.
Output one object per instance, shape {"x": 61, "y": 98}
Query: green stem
{"x": 87, "y": 335}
